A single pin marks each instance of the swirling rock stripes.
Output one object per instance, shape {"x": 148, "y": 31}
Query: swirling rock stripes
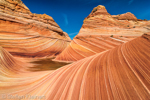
{"x": 32, "y": 46}
{"x": 82, "y": 47}
{"x": 29, "y": 35}
{"x": 120, "y": 73}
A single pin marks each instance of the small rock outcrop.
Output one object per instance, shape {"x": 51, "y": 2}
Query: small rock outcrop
{"x": 126, "y": 16}
{"x": 14, "y": 6}
{"x": 100, "y": 21}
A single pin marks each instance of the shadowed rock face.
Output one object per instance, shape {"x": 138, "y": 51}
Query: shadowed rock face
{"x": 10, "y": 65}
{"x": 101, "y": 31}
{"x": 29, "y": 35}
{"x": 120, "y": 73}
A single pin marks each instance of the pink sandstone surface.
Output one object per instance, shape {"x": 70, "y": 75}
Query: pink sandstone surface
{"x": 120, "y": 73}
{"x": 100, "y": 32}
{"x": 110, "y": 57}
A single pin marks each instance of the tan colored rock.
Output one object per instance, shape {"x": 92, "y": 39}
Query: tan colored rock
{"x": 14, "y": 5}
{"x": 101, "y": 32}
{"x": 118, "y": 74}
{"x": 29, "y": 35}
{"x": 126, "y": 16}
{"x": 67, "y": 36}
{"x": 99, "y": 10}
{"x": 101, "y": 22}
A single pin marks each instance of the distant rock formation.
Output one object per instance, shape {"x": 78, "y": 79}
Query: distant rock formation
{"x": 102, "y": 31}
{"x": 101, "y": 22}
{"x": 99, "y": 10}
{"x": 29, "y": 35}
{"x": 118, "y": 74}
{"x": 126, "y": 16}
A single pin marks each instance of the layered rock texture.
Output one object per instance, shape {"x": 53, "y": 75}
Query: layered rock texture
{"x": 101, "y": 22}
{"x": 111, "y": 60}
{"x": 10, "y": 65}
{"x": 84, "y": 46}
{"x": 120, "y": 73}
{"x": 102, "y": 31}
{"x": 126, "y": 16}
{"x": 29, "y": 35}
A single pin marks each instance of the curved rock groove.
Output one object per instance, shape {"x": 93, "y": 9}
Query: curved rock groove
{"x": 120, "y": 73}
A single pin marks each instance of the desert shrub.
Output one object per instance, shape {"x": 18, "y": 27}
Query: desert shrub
{"x": 111, "y": 36}
{"x": 94, "y": 10}
{"x": 145, "y": 19}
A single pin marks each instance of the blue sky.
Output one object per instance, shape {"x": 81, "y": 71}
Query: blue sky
{"x": 69, "y": 14}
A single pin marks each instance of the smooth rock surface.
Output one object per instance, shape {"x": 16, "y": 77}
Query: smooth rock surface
{"x": 120, "y": 73}
{"x": 102, "y": 31}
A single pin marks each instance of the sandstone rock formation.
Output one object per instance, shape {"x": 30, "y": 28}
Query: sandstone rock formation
{"x": 126, "y": 16}
{"x": 10, "y": 65}
{"x": 120, "y": 73}
{"x": 88, "y": 45}
{"x": 101, "y": 31}
{"x": 13, "y": 6}
{"x": 25, "y": 34}
{"x": 101, "y": 22}
{"x": 117, "y": 69}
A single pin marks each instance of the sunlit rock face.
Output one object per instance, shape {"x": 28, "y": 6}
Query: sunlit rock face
{"x": 126, "y": 16}
{"x": 120, "y": 73}
{"x": 102, "y": 31}
{"x": 101, "y": 22}
{"x": 13, "y": 5}
{"x": 84, "y": 46}
{"x": 29, "y": 35}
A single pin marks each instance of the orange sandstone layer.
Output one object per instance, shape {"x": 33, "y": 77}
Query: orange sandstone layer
{"x": 102, "y": 31}
{"x": 101, "y": 22}
{"x": 120, "y": 73}
{"x": 14, "y": 5}
{"x": 85, "y": 46}
{"x": 29, "y": 35}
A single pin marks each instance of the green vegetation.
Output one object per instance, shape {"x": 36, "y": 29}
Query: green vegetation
{"x": 111, "y": 36}
{"x": 94, "y": 10}
{"x": 145, "y": 20}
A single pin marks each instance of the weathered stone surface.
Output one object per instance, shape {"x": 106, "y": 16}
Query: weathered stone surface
{"x": 14, "y": 6}
{"x": 117, "y": 69}
{"x": 84, "y": 46}
{"x": 121, "y": 73}
{"x": 101, "y": 22}
{"x": 126, "y": 16}
{"x": 100, "y": 32}
{"x": 25, "y": 34}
